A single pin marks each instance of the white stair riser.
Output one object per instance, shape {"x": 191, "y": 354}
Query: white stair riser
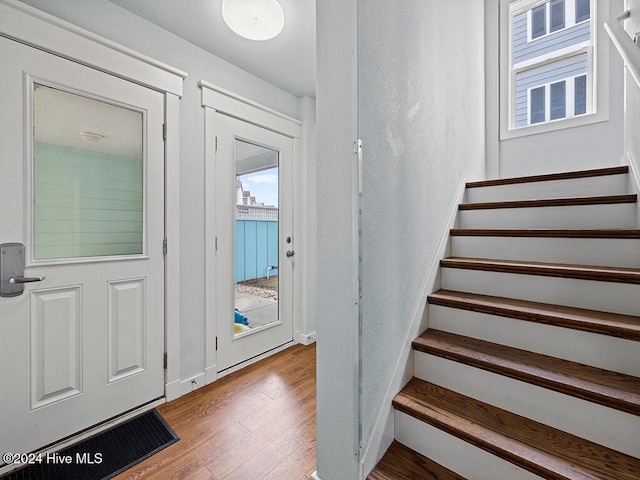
{"x": 589, "y": 294}
{"x": 455, "y": 454}
{"x": 621, "y": 215}
{"x": 577, "y": 187}
{"x": 600, "y": 424}
{"x": 619, "y": 252}
{"x": 602, "y": 351}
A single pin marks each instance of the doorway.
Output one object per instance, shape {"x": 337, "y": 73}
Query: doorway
{"x": 255, "y": 256}
{"x": 82, "y": 209}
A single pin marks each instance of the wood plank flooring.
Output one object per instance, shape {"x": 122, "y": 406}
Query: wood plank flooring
{"x": 257, "y": 423}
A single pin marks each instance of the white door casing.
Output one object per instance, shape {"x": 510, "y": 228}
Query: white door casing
{"x": 237, "y": 348}
{"x": 87, "y": 343}
{"x": 218, "y": 101}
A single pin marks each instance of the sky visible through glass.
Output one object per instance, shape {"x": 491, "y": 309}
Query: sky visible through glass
{"x": 263, "y": 185}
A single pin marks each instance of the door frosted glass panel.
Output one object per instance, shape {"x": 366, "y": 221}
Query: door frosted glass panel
{"x": 256, "y": 237}
{"x": 88, "y": 177}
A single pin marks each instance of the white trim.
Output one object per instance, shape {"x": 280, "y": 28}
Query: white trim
{"x": 216, "y": 99}
{"x": 315, "y": 476}
{"x": 210, "y": 326}
{"x": 192, "y": 383}
{"x": 236, "y": 106}
{"x": 552, "y": 57}
{"x": 305, "y": 338}
{"x": 172, "y": 233}
{"x": 382, "y": 433}
{"x": 255, "y": 359}
{"x": 31, "y": 26}
{"x": 634, "y": 179}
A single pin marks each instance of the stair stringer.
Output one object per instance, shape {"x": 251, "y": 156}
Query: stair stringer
{"x": 634, "y": 179}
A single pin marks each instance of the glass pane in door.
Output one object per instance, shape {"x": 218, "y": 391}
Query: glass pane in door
{"x": 88, "y": 177}
{"x": 256, "y": 238}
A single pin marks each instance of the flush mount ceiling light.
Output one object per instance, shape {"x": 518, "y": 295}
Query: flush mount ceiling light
{"x": 91, "y": 137}
{"x": 253, "y": 19}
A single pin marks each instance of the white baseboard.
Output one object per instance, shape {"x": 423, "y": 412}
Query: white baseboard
{"x": 211, "y": 374}
{"x": 255, "y": 359}
{"x": 315, "y": 476}
{"x": 192, "y": 383}
{"x": 173, "y": 390}
{"x": 305, "y": 338}
{"x": 382, "y": 433}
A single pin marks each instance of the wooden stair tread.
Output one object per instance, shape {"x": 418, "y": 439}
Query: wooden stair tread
{"x": 551, "y": 233}
{"x": 552, "y": 202}
{"x": 611, "y": 389}
{"x": 605, "y": 323}
{"x": 552, "y": 176}
{"x": 402, "y": 463}
{"x": 541, "y": 449}
{"x": 584, "y": 272}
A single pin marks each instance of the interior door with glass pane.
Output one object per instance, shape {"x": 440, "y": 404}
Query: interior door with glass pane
{"x": 255, "y": 251}
{"x": 82, "y": 200}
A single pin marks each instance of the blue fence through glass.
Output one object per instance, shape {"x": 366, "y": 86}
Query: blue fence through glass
{"x": 256, "y": 249}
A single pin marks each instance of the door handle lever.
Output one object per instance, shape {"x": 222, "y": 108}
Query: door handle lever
{"x": 14, "y": 280}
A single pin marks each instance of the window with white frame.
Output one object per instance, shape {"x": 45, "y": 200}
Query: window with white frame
{"x": 550, "y": 69}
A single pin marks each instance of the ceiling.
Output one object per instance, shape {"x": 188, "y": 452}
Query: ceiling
{"x": 287, "y": 61}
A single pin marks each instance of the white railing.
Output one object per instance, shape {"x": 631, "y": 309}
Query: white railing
{"x": 254, "y": 212}
{"x": 626, "y": 46}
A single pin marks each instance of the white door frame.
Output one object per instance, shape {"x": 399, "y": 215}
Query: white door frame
{"x": 33, "y": 27}
{"x": 217, "y": 99}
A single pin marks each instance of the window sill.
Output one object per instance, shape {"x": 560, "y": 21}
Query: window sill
{"x": 561, "y": 124}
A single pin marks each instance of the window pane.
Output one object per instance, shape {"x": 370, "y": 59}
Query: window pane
{"x": 256, "y": 237}
{"x": 538, "y": 21}
{"x": 558, "y": 100}
{"x": 583, "y": 11}
{"x": 537, "y": 105}
{"x": 545, "y": 75}
{"x": 88, "y": 177}
{"x": 580, "y": 100}
{"x": 557, "y": 15}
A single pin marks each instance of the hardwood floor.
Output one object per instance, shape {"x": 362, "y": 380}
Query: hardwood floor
{"x": 257, "y": 423}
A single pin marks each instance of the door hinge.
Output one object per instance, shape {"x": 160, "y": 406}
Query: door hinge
{"x": 358, "y": 153}
{"x": 164, "y": 246}
{"x": 164, "y": 131}
{"x": 216, "y": 344}
{"x": 164, "y": 362}
{"x": 216, "y": 244}
{"x": 216, "y": 146}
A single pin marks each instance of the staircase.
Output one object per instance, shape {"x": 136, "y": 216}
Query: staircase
{"x": 530, "y": 367}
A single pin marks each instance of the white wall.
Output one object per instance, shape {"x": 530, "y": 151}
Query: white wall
{"x": 632, "y": 106}
{"x": 421, "y": 120}
{"x": 595, "y": 145}
{"x": 336, "y": 299}
{"x": 112, "y": 22}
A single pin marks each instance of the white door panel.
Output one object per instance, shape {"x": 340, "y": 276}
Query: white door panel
{"x": 82, "y": 187}
{"x": 259, "y": 157}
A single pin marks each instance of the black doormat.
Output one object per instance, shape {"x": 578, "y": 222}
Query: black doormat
{"x": 104, "y": 455}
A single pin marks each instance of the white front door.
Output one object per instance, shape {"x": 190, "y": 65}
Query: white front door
{"x": 255, "y": 244}
{"x": 82, "y": 188}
